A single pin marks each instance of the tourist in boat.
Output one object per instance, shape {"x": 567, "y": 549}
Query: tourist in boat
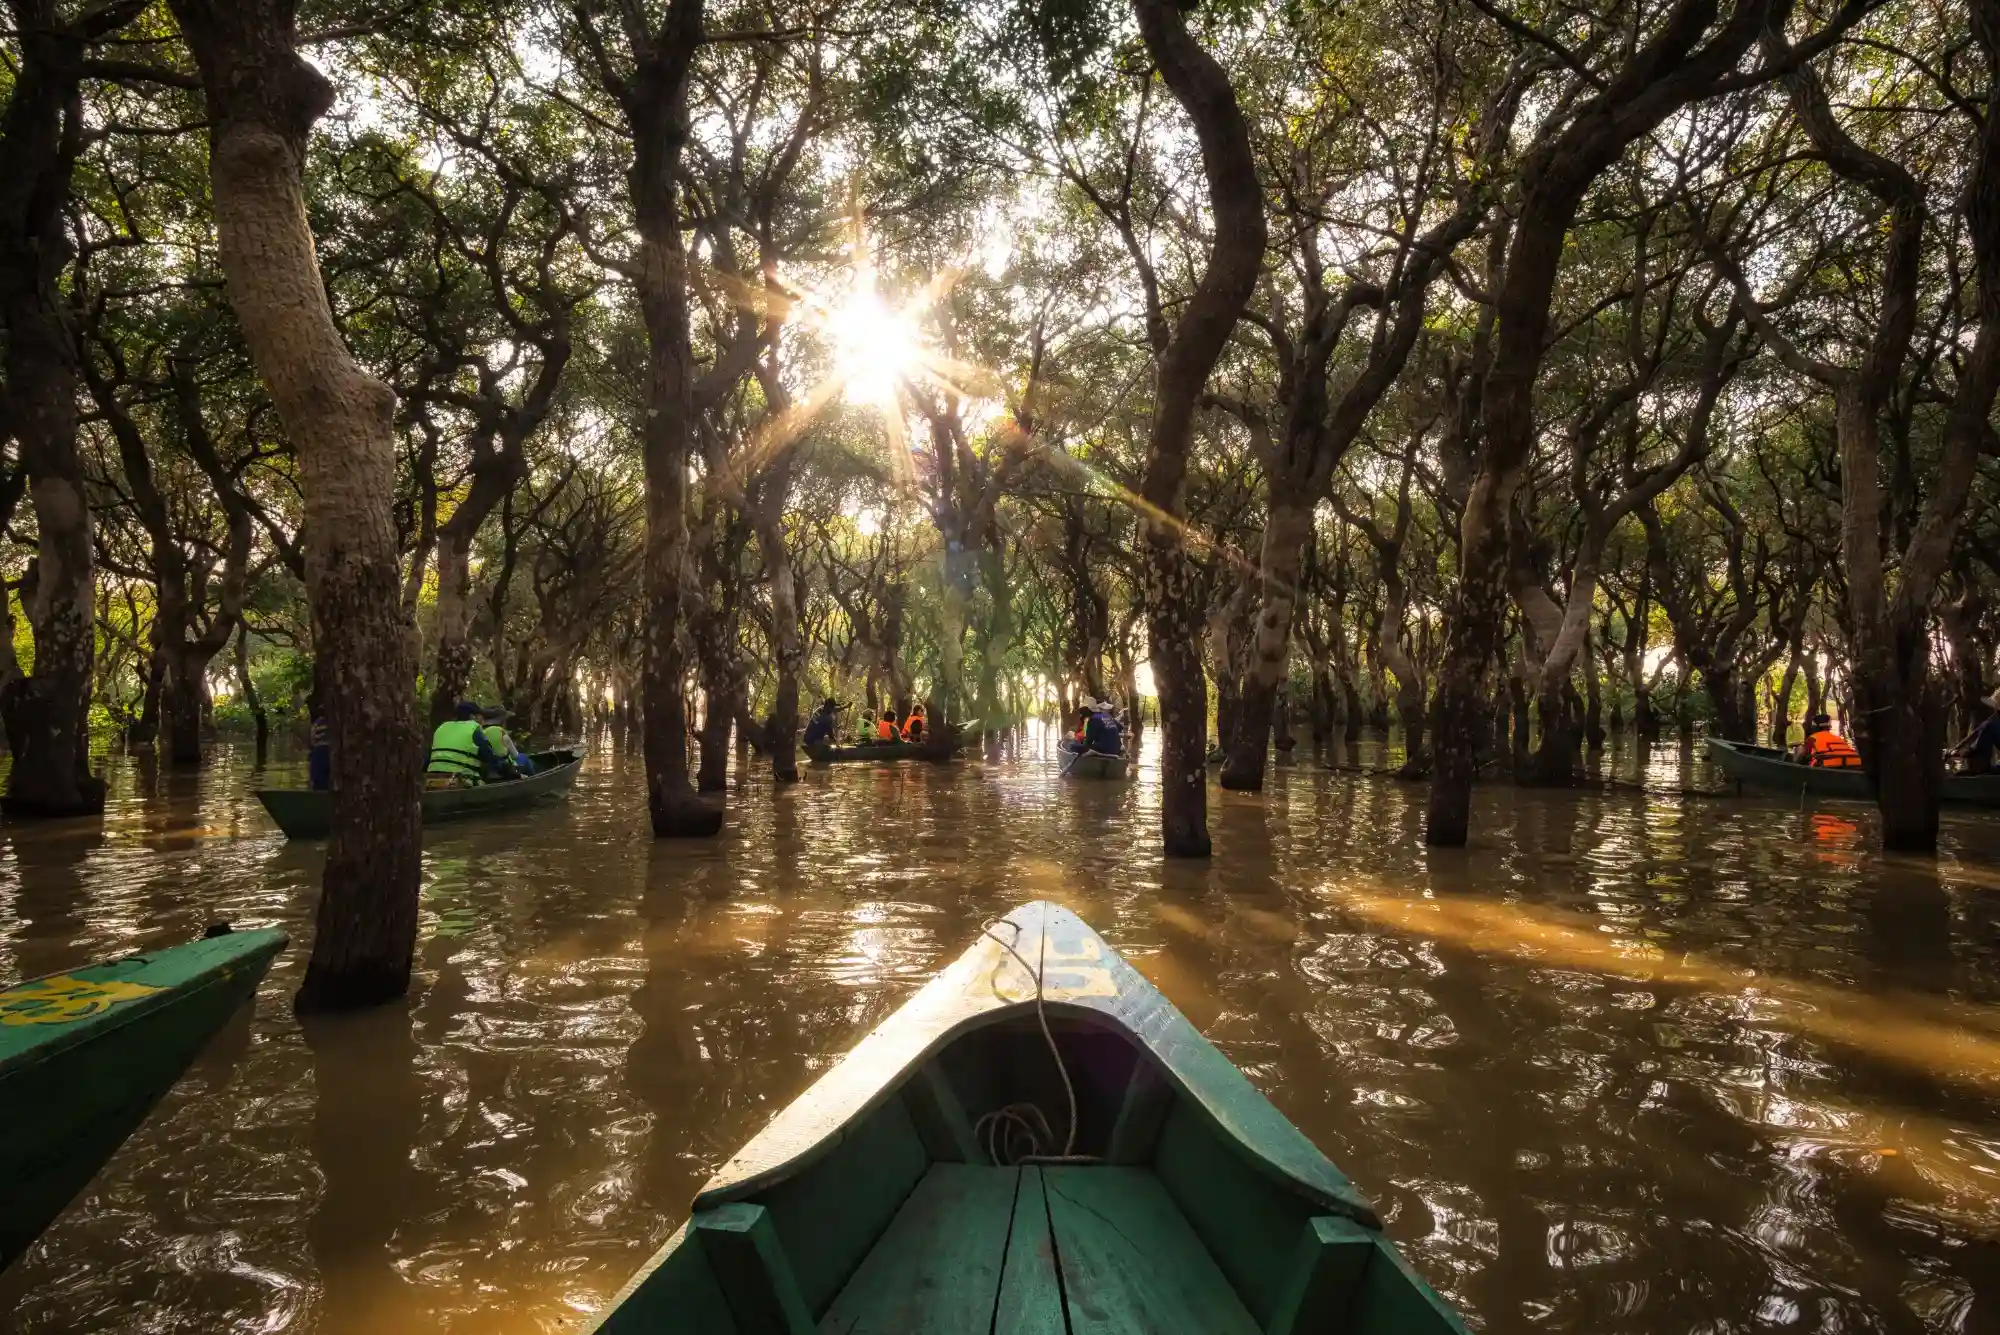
{"x": 913, "y": 726}
{"x": 1824, "y": 748}
{"x": 1101, "y": 733}
{"x": 1982, "y": 742}
{"x": 503, "y": 741}
{"x": 1082, "y": 726}
{"x": 461, "y": 754}
{"x": 820, "y": 727}
{"x": 319, "y": 760}
{"x": 885, "y": 727}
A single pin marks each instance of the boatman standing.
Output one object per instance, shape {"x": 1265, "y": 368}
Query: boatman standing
{"x": 1982, "y": 742}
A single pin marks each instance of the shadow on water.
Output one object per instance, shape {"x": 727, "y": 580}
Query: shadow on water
{"x": 1630, "y": 1063}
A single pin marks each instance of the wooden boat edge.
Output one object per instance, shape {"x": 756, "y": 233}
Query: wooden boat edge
{"x": 313, "y": 800}
{"x": 1087, "y": 979}
{"x": 256, "y": 947}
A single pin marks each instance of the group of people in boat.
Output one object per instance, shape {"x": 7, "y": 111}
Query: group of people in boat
{"x": 474, "y": 747}
{"x": 1098, "y": 730}
{"x": 822, "y": 728}
{"x": 1823, "y": 748}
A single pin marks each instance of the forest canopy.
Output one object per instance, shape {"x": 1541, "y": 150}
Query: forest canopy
{"x": 1305, "y": 366}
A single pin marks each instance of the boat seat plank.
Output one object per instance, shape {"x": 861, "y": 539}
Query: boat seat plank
{"x": 1030, "y": 1294}
{"x": 1332, "y": 1256}
{"x": 936, "y": 1271}
{"x": 1130, "y": 1263}
{"x": 750, "y": 1268}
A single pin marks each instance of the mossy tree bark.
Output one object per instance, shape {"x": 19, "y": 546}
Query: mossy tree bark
{"x": 262, "y": 102}
{"x": 1185, "y": 358}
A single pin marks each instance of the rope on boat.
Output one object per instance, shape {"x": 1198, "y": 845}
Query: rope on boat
{"x": 1001, "y": 1130}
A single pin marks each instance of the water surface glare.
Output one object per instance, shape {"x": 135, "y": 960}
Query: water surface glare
{"x": 1630, "y": 1063}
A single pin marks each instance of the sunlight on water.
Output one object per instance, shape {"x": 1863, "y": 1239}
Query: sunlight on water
{"x": 1628, "y": 1065}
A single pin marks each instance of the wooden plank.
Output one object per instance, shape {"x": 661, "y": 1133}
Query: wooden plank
{"x": 1129, "y": 1261}
{"x": 676, "y": 1290}
{"x": 940, "y": 1117}
{"x": 1030, "y": 1294}
{"x": 751, "y": 1270}
{"x": 936, "y": 1271}
{"x": 1395, "y": 1298}
{"x": 1136, "y": 1133}
{"x": 1248, "y": 1222}
{"x": 830, "y": 1215}
{"x": 1327, "y": 1266}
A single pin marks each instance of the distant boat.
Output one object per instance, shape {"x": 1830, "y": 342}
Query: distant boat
{"x": 1036, "y": 1142}
{"x": 1093, "y": 765}
{"x": 303, "y": 813}
{"x": 877, "y": 752}
{"x": 85, "y": 1055}
{"x": 1770, "y": 769}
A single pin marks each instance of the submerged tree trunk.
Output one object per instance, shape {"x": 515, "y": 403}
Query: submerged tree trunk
{"x": 251, "y": 700}
{"x": 1285, "y": 534}
{"x": 655, "y": 99}
{"x": 47, "y": 712}
{"x": 262, "y": 101}
{"x": 1185, "y": 359}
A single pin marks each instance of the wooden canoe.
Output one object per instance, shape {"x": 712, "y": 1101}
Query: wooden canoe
{"x": 85, "y": 1055}
{"x": 304, "y": 814}
{"x": 936, "y": 1182}
{"x": 1093, "y": 765}
{"x": 1770, "y": 769}
{"x": 879, "y": 752}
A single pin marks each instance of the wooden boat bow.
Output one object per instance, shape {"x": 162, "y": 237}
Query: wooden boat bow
{"x": 1077, "y": 972}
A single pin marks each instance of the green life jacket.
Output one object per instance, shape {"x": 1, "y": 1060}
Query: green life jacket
{"x": 455, "y": 749}
{"x": 503, "y": 745}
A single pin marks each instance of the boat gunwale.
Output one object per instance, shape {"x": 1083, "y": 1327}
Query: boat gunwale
{"x": 837, "y": 1103}
{"x": 59, "y": 1037}
{"x": 542, "y": 783}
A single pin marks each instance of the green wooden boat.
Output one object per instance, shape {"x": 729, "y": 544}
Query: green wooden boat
{"x": 951, "y": 1175}
{"x": 304, "y": 814}
{"x": 1770, "y": 769}
{"x": 879, "y": 752}
{"x": 85, "y": 1055}
{"x": 1094, "y": 765}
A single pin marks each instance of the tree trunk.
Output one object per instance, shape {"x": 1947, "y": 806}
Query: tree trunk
{"x": 48, "y": 712}
{"x": 451, "y": 671}
{"x": 1207, "y": 319}
{"x": 1283, "y": 557}
{"x": 186, "y": 690}
{"x": 262, "y": 101}
{"x": 251, "y": 700}
{"x": 655, "y": 100}
{"x": 1593, "y": 707}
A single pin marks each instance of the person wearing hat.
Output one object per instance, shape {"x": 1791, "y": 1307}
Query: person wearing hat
{"x": 820, "y": 727}
{"x": 1980, "y": 744}
{"x": 1826, "y": 749}
{"x": 461, "y": 753}
{"x": 1100, "y": 733}
{"x": 502, "y": 742}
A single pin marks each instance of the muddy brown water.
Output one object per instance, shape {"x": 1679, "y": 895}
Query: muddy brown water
{"x": 1630, "y": 1063}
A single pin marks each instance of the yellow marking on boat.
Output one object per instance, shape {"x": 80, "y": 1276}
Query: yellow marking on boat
{"x": 1946, "y": 1040}
{"x": 62, "y": 998}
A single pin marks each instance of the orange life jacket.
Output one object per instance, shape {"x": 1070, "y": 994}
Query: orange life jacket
{"x": 885, "y": 731}
{"x": 913, "y": 728}
{"x": 1832, "y": 751}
